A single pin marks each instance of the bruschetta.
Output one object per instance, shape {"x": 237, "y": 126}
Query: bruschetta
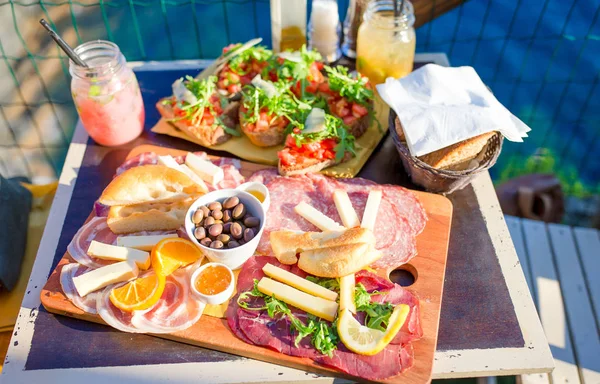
{"x": 197, "y": 109}
{"x": 322, "y": 141}
{"x": 244, "y": 64}
{"x": 302, "y": 69}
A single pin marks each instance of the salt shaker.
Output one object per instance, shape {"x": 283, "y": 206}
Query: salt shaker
{"x": 324, "y": 29}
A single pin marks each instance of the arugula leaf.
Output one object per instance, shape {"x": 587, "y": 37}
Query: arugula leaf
{"x": 323, "y": 334}
{"x": 203, "y": 90}
{"x": 354, "y": 89}
{"x": 334, "y": 128}
{"x": 257, "y": 53}
{"x": 331, "y": 284}
{"x": 377, "y": 314}
{"x": 298, "y": 70}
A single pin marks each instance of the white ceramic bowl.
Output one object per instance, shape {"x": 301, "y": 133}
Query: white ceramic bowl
{"x": 233, "y": 258}
{"x": 260, "y": 187}
{"x": 218, "y": 298}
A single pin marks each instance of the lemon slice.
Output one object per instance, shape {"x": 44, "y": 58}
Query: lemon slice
{"x": 367, "y": 341}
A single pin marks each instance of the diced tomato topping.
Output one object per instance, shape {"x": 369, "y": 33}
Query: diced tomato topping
{"x": 359, "y": 110}
{"x": 233, "y": 78}
{"x": 296, "y": 130}
{"x": 349, "y": 120}
{"x": 234, "y": 88}
{"x": 324, "y": 87}
{"x": 262, "y": 125}
{"x": 222, "y": 84}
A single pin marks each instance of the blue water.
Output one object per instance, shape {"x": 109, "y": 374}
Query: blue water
{"x": 540, "y": 58}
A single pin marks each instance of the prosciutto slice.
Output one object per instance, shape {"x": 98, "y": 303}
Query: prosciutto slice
{"x": 67, "y": 273}
{"x": 112, "y": 315}
{"x": 176, "y": 310}
{"x": 95, "y": 229}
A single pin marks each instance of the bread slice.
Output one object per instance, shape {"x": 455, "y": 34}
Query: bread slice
{"x": 206, "y": 136}
{"x": 149, "y": 183}
{"x": 360, "y": 126}
{"x": 286, "y": 244}
{"x": 338, "y": 261}
{"x": 309, "y": 166}
{"x": 149, "y": 216}
{"x": 270, "y": 137}
{"x": 454, "y": 157}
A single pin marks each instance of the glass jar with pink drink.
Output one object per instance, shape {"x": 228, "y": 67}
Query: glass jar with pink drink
{"x": 106, "y": 94}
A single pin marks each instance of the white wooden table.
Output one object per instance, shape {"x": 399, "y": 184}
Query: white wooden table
{"x": 530, "y": 357}
{"x": 562, "y": 268}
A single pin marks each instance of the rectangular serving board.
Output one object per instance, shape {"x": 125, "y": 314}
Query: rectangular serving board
{"x": 428, "y": 268}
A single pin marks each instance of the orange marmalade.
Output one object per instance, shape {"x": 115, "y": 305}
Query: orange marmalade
{"x": 213, "y": 280}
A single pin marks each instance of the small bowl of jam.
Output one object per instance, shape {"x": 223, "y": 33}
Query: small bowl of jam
{"x": 213, "y": 283}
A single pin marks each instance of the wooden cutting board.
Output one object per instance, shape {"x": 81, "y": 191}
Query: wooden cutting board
{"x": 428, "y": 268}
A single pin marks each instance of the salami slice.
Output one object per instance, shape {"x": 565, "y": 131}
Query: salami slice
{"x": 232, "y": 178}
{"x": 407, "y": 205}
{"x": 264, "y": 176}
{"x": 176, "y": 310}
{"x": 67, "y": 273}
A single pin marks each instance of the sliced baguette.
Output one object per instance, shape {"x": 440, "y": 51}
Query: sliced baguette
{"x": 286, "y": 244}
{"x": 148, "y": 216}
{"x": 314, "y": 166}
{"x": 149, "y": 183}
{"x": 338, "y": 261}
{"x": 268, "y": 138}
{"x": 206, "y": 136}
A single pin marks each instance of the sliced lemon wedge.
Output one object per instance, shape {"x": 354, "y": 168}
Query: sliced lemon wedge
{"x": 367, "y": 341}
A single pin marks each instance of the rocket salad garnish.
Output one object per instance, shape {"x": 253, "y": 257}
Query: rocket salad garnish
{"x": 353, "y": 88}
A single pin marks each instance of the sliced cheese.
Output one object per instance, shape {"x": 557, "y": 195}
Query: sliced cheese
{"x": 345, "y": 209}
{"x": 316, "y": 218}
{"x": 205, "y": 169}
{"x": 117, "y": 253}
{"x": 347, "y": 284}
{"x": 315, "y": 121}
{"x": 170, "y": 162}
{"x": 325, "y": 309}
{"x": 370, "y": 215}
{"x": 267, "y": 87}
{"x": 298, "y": 282}
{"x": 143, "y": 243}
{"x": 104, "y": 276}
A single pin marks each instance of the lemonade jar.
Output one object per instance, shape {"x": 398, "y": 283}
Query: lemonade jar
{"x": 106, "y": 94}
{"x": 386, "y": 43}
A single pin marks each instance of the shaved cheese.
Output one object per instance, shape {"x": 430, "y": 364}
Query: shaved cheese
{"x": 345, "y": 209}
{"x": 116, "y": 253}
{"x": 104, "y": 276}
{"x": 347, "y": 284}
{"x": 267, "y": 87}
{"x": 294, "y": 56}
{"x": 325, "y": 309}
{"x": 298, "y": 282}
{"x": 143, "y": 243}
{"x": 316, "y": 218}
{"x": 205, "y": 169}
{"x": 170, "y": 162}
{"x": 315, "y": 121}
{"x": 370, "y": 215}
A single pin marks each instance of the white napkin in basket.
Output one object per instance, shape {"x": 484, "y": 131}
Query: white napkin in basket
{"x": 440, "y": 106}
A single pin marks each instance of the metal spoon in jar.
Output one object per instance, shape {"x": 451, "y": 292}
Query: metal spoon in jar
{"x": 63, "y": 45}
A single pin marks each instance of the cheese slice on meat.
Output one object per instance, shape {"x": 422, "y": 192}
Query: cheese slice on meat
{"x": 370, "y": 215}
{"x": 205, "y": 169}
{"x": 298, "y": 282}
{"x": 104, "y": 276}
{"x": 116, "y": 253}
{"x": 345, "y": 209}
{"x": 347, "y": 284}
{"x": 325, "y": 309}
{"x": 143, "y": 243}
{"x": 170, "y": 162}
{"x": 317, "y": 218}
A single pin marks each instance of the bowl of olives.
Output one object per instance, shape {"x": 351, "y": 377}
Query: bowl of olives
{"x": 226, "y": 225}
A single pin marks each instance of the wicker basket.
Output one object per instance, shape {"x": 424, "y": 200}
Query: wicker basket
{"x": 437, "y": 180}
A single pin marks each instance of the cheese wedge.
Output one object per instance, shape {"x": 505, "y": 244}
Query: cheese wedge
{"x": 205, "y": 169}
{"x": 170, "y": 162}
{"x": 345, "y": 209}
{"x": 298, "y": 282}
{"x": 143, "y": 243}
{"x": 347, "y": 284}
{"x": 316, "y": 218}
{"x": 116, "y": 253}
{"x": 325, "y": 309}
{"x": 370, "y": 215}
{"x": 104, "y": 276}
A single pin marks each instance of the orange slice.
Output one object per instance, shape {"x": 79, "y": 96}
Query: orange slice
{"x": 141, "y": 293}
{"x": 172, "y": 253}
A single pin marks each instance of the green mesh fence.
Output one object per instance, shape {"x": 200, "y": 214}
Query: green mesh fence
{"x": 538, "y": 57}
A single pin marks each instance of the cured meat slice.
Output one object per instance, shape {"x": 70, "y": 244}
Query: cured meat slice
{"x": 264, "y": 176}
{"x": 395, "y": 294}
{"x": 232, "y": 178}
{"x": 407, "y": 205}
{"x": 176, "y": 310}
{"x": 67, "y": 273}
{"x": 95, "y": 229}
{"x": 112, "y": 315}
{"x": 262, "y": 330}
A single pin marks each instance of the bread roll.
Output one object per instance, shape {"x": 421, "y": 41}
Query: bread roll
{"x": 286, "y": 244}
{"x": 149, "y": 183}
{"x": 148, "y": 216}
{"x": 338, "y": 261}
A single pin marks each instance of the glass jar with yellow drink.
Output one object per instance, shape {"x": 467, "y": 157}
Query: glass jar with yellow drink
{"x": 386, "y": 43}
{"x": 288, "y": 24}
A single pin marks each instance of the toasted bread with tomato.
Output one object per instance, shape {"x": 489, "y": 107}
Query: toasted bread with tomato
{"x": 309, "y": 166}
{"x": 263, "y": 133}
